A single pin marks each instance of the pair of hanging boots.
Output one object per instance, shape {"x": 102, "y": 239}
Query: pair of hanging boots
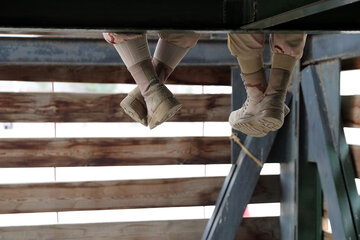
{"x": 264, "y": 109}
{"x": 151, "y": 103}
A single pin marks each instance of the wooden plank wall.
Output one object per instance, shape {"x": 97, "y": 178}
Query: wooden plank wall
{"x": 124, "y": 194}
{"x": 194, "y": 75}
{"x": 350, "y": 106}
{"x": 76, "y": 107}
{"x": 81, "y": 107}
{"x": 72, "y": 107}
{"x": 76, "y": 152}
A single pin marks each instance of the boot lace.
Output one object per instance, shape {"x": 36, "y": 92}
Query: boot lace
{"x": 246, "y": 103}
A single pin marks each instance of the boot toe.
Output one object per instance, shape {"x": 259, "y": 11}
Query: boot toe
{"x": 286, "y": 110}
{"x": 165, "y": 110}
{"x": 135, "y": 109}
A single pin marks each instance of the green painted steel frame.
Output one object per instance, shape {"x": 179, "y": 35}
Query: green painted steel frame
{"x": 322, "y": 101}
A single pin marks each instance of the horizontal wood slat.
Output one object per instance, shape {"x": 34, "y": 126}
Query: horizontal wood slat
{"x": 325, "y": 223}
{"x": 66, "y": 107}
{"x": 250, "y": 229}
{"x": 327, "y": 236}
{"x": 74, "y": 152}
{"x": 56, "y": 197}
{"x": 350, "y": 64}
{"x": 355, "y": 151}
{"x": 350, "y": 108}
{"x": 149, "y": 230}
{"x": 72, "y": 107}
{"x": 193, "y": 75}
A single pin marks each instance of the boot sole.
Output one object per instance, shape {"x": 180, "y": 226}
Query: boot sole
{"x": 135, "y": 109}
{"x": 261, "y": 124}
{"x": 251, "y": 129}
{"x": 164, "y": 112}
{"x": 271, "y": 119}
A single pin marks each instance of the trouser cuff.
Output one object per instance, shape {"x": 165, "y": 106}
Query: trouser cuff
{"x": 283, "y": 61}
{"x": 169, "y": 53}
{"x": 251, "y": 65}
{"x": 133, "y": 51}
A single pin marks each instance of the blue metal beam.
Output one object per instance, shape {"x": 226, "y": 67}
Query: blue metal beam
{"x": 99, "y": 52}
{"x": 206, "y": 52}
{"x": 237, "y": 190}
{"x": 309, "y": 194}
{"x": 241, "y": 181}
{"x": 327, "y": 47}
{"x": 287, "y": 149}
{"x": 324, "y": 152}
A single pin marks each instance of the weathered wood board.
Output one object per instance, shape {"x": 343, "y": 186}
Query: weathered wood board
{"x": 355, "y": 150}
{"x": 54, "y": 197}
{"x": 77, "y": 107}
{"x": 73, "y": 152}
{"x": 72, "y": 107}
{"x": 350, "y": 109}
{"x": 193, "y": 75}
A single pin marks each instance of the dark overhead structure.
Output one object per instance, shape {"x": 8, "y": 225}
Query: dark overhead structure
{"x": 316, "y": 157}
{"x": 161, "y": 15}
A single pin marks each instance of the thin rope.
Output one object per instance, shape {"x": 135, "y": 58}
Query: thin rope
{"x": 237, "y": 140}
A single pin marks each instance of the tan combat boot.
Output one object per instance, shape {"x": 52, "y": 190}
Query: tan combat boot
{"x": 270, "y": 111}
{"x": 245, "y": 119}
{"x": 160, "y": 102}
{"x": 255, "y": 85}
{"x": 134, "y": 104}
{"x": 169, "y": 51}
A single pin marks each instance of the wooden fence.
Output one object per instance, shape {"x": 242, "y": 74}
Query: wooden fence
{"x": 122, "y": 194}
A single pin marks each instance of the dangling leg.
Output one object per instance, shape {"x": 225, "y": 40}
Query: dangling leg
{"x": 134, "y": 100}
{"x": 287, "y": 49}
{"x": 248, "y": 48}
{"x": 160, "y": 102}
{"x": 171, "y": 48}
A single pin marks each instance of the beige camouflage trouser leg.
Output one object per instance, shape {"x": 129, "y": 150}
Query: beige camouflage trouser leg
{"x": 264, "y": 111}
{"x": 248, "y": 49}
